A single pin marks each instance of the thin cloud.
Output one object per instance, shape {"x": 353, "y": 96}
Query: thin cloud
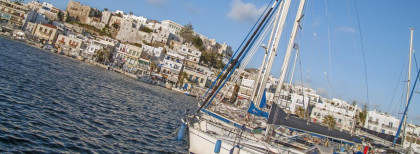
{"x": 156, "y": 2}
{"x": 244, "y": 12}
{"x": 346, "y": 29}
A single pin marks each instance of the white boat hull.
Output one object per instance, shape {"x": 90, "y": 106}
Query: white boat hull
{"x": 202, "y": 143}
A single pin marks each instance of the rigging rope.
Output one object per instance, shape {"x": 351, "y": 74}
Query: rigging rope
{"x": 240, "y": 57}
{"x": 237, "y": 50}
{"x": 363, "y": 53}
{"x": 396, "y": 88}
{"x": 329, "y": 46}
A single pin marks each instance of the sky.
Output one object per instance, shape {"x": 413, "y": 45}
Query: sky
{"x": 336, "y": 35}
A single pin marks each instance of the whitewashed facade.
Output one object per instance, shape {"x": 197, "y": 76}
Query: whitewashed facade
{"x": 381, "y": 122}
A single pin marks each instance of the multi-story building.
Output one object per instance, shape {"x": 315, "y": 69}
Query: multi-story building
{"x": 343, "y": 113}
{"x": 70, "y": 44}
{"x": 129, "y": 55}
{"x": 129, "y": 32}
{"x": 155, "y": 53}
{"x": 412, "y": 138}
{"x": 79, "y": 12}
{"x": 171, "y": 66}
{"x": 381, "y": 122}
{"x": 92, "y": 48}
{"x": 106, "y": 17}
{"x": 71, "y": 41}
{"x": 246, "y": 89}
{"x": 107, "y": 41}
{"x": 173, "y": 27}
{"x": 196, "y": 75}
{"x": 47, "y": 9}
{"x": 189, "y": 51}
{"x": 12, "y": 12}
{"x": 46, "y": 32}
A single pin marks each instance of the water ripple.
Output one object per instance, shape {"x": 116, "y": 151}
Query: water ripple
{"x": 54, "y": 104}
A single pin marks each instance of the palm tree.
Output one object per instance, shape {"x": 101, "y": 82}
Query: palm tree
{"x": 361, "y": 117}
{"x": 300, "y": 112}
{"x": 329, "y": 120}
{"x": 181, "y": 77}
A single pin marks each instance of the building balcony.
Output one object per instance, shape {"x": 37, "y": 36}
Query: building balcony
{"x": 373, "y": 122}
{"x": 389, "y": 127}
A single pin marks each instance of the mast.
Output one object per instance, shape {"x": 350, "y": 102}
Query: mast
{"x": 257, "y": 82}
{"x": 289, "y": 48}
{"x": 273, "y": 49}
{"x": 236, "y": 61}
{"x": 408, "y": 85}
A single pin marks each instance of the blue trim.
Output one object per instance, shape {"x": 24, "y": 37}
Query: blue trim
{"x": 255, "y": 111}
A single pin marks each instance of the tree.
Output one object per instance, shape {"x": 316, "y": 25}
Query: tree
{"x": 60, "y": 16}
{"x": 300, "y": 112}
{"x": 361, "y": 117}
{"x": 187, "y": 33}
{"x": 105, "y": 9}
{"x": 146, "y": 29}
{"x": 198, "y": 42}
{"x": 103, "y": 55}
{"x": 181, "y": 77}
{"x": 329, "y": 120}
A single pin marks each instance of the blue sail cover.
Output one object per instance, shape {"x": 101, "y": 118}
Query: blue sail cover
{"x": 253, "y": 110}
{"x": 263, "y": 101}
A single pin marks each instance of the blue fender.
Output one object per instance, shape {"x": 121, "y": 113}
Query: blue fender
{"x": 181, "y": 132}
{"x": 218, "y": 146}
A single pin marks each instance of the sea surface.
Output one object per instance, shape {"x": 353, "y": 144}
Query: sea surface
{"x": 54, "y": 104}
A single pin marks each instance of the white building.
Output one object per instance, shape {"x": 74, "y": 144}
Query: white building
{"x": 156, "y": 52}
{"x": 190, "y": 52}
{"x": 246, "y": 89}
{"x": 171, "y": 66}
{"x": 46, "y": 9}
{"x": 343, "y": 113}
{"x": 92, "y": 47}
{"x": 173, "y": 27}
{"x": 412, "y": 139}
{"x": 381, "y": 122}
{"x": 70, "y": 44}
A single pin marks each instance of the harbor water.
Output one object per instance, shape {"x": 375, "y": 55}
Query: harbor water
{"x": 54, "y": 104}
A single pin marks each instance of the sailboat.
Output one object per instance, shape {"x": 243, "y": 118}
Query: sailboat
{"x": 216, "y": 127}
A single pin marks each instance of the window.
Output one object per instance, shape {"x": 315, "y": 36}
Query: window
{"x": 390, "y": 124}
{"x": 40, "y": 29}
{"x": 202, "y": 80}
{"x": 339, "y": 121}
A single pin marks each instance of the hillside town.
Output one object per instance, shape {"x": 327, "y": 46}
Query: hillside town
{"x": 176, "y": 57}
